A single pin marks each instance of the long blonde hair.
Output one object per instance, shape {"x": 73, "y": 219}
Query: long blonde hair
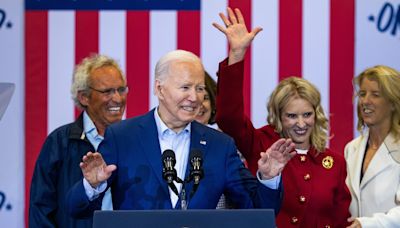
{"x": 298, "y": 87}
{"x": 388, "y": 80}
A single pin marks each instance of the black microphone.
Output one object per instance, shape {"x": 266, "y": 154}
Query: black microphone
{"x": 169, "y": 171}
{"x": 196, "y": 170}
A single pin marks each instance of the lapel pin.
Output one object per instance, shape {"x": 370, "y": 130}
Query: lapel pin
{"x": 202, "y": 142}
{"x": 327, "y": 162}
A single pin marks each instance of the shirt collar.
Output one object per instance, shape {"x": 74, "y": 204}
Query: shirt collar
{"x": 89, "y": 127}
{"x": 163, "y": 129}
{"x": 300, "y": 151}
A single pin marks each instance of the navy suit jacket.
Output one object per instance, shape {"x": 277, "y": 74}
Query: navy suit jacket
{"x": 137, "y": 183}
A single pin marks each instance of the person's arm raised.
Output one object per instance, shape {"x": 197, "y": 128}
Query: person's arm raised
{"x": 237, "y": 34}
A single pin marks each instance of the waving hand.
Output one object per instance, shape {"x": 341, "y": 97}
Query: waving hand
{"x": 237, "y": 34}
{"x": 95, "y": 169}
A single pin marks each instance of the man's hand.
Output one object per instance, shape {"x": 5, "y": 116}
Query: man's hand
{"x": 236, "y": 32}
{"x": 354, "y": 223}
{"x": 94, "y": 168}
{"x": 275, "y": 158}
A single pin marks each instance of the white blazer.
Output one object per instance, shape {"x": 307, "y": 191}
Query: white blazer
{"x": 376, "y": 200}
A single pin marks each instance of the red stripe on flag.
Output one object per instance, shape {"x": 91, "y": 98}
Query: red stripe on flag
{"x": 342, "y": 34}
{"x": 290, "y": 38}
{"x": 245, "y": 8}
{"x": 189, "y": 31}
{"x": 36, "y": 39}
{"x": 138, "y": 62}
{"x": 86, "y": 36}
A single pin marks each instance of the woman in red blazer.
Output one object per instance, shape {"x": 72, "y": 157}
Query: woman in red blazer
{"x": 315, "y": 193}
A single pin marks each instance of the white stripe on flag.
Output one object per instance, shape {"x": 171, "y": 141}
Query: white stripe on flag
{"x": 60, "y": 67}
{"x": 163, "y": 38}
{"x": 112, "y": 36}
{"x": 213, "y": 45}
{"x": 316, "y": 47}
{"x": 264, "y": 58}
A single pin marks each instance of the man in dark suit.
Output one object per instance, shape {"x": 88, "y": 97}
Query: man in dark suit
{"x": 136, "y": 145}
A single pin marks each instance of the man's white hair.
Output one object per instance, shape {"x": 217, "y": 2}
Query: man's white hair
{"x": 163, "y": 64}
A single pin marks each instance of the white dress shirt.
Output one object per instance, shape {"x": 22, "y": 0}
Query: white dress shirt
{"x": 95, "y": 139}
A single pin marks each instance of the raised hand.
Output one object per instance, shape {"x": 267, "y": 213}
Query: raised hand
{"x": 275, "y": 158}
{"x": 237, "y": 34}
{"x": 95, "y": 169}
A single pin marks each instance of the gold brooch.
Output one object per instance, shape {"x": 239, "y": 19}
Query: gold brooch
{"x": 327, "y": 162}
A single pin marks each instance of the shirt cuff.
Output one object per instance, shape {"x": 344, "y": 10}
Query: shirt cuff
{"x": 272, "y": 183}
{"x": 93, "y": 193}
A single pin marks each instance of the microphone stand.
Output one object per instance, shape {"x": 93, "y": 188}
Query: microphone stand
{"x": 182, "y": 195}
{"x": 184, "y": 203}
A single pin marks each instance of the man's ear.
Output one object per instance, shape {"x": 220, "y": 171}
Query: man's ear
{"x": 83, "y": 98}
{"x": 158, "y": 89}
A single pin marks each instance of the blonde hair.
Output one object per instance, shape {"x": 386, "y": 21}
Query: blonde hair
{"x": 388, "y": 80}
{"x": 298, "y": 87}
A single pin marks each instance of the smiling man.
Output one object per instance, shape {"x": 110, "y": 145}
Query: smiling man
{"x": 131, "y": 154}
{"x": 100, "y": 90}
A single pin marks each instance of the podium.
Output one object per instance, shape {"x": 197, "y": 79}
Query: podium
{"x": 255, "y": 218}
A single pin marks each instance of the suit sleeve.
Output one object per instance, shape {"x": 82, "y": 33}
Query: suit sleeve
{"x": 342, "y": 197}
{"x": 231, "y": 116}
{"x": 43, "y": 191}
{"x": 244, "y": 189}
{"x": 77, "y": 203}
{"x": 389, "y": 219}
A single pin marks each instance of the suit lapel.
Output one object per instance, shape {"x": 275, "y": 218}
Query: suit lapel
{"x": 357, "y": 156}
{"x": 392, "y": 146}
{"x": 198, "y": 136}
{"x": 379, "y": 162}
{"x": 198, "y": 140}
{"x": 151, "y": 147}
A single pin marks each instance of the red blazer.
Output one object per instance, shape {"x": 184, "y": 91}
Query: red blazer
{"x": 315, "y": 193}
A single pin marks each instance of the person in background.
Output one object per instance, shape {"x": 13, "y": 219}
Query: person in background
{"x": 208, "y": 109}
{"x": 206, "y": 116}
{"x": 99, "y": 89}
{"x": 373, "y": 158}
{"x": 133, "y": 152}
{"x": 315, "y": 192}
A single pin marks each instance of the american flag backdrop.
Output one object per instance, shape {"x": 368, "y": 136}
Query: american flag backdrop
{"x": 306, "y": 38}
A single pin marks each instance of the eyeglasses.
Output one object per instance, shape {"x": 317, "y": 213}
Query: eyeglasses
{"x": 110, "y": 91}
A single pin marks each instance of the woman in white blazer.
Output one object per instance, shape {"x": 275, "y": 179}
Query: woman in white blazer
{"x": 373, "y": 159}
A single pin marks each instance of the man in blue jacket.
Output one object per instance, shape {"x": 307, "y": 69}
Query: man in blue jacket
{"x": 133, "y": 149}
{"x": 99, "y": 89}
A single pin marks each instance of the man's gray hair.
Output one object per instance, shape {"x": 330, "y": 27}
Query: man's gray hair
{"x": 81, "y": 80}
{"x": 162, "y": 66}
